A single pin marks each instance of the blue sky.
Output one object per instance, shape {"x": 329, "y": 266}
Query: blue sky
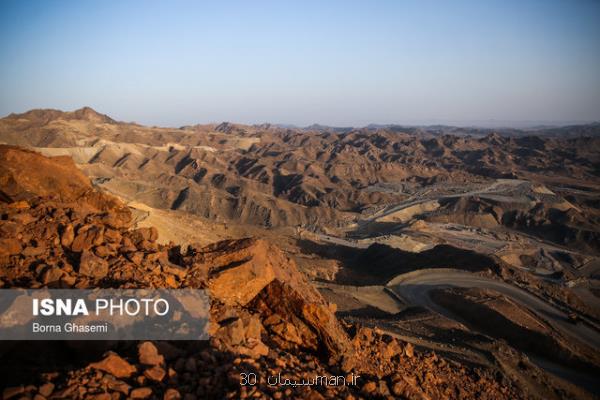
{"x": 332, "y": 62}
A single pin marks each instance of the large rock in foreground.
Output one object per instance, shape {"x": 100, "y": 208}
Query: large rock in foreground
{"x": 260, "y": 290}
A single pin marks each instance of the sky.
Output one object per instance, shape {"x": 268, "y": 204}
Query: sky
{"x": 342, "y": 63}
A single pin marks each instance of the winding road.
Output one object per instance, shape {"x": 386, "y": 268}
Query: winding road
{"x": 497, "y": 187}
{"x": 415, "y": 286}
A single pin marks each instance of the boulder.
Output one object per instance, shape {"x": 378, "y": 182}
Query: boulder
{"x": 115, "y": 365}
{"x": 255, "y": 275}
{"x": 148, "y": 354}
{"x": 237, "y": 275}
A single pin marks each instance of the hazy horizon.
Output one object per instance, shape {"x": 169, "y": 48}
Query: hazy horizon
{"x": 465, "y": 63}
{"x": 490, "y": 124}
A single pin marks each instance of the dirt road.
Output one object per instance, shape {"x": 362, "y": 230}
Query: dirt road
{"x": 415, "y": 287}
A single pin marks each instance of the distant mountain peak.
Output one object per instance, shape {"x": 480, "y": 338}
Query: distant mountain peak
{"x": 89, "y": 114}
{"x": 46, "y": 115}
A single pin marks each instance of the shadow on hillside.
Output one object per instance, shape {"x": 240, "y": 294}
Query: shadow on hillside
{"x": 379, "y": 263}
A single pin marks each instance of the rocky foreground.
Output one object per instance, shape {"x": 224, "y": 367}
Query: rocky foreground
{"x": 267, "y": 319}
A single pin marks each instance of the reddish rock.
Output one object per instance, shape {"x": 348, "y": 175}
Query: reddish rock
{"x": 369, "y": 388}
{"x": 9, "y": 247}
{"x": 92, "y": 266}
{"x": 399, "y": 388}
{"x": 51, "y": 275}
{"x": 127, "y": 245}
{"x": 46, "y": 389}
{"x": 26, "y": 174}
{"x": 409, "y": 350}
{"x": 112, "y": 235}
{"x": 155, "y": 373}
{"x": 248, "y": 270}
{"x": 116, "y": 385}
{"x": 20, "y": 205}
{"x": 87, "y": 237}
{"x": 136, "y": 257}
{"x": 148, "y": 354}
{"x": 68, "y": 281}
{"x": 66, "y": 239}
{"x": 140, "y": 234}
{"x": 33, "y": 251}
{"x": 115, "y": 365}
{"x": 103, "y": 251}
{"x": 23, "y": 218}
{"x": 10, "y": 229}
{"x": 287, "y": 332}
{"x": 171, "y": 282}
{"x": 391, "y": 349}
{"x": 147, "y": 245}
{"x": 141, "y": 393}
{"x": 172, "y": 394}
{"x": 169, "y": 268}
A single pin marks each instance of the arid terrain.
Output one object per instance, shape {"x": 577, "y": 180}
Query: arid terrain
{"x": 434, "y": 262}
